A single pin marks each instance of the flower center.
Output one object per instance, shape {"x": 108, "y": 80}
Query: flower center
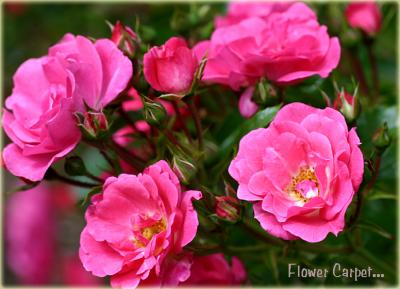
{"x": 304, "y": 185}
{"x": 145, "y": 227}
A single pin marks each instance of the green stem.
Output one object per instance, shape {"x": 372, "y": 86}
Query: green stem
{"x": 374, "y": 68}
{"x": 197, "y": 123}
{"x": 52, "y": 174}
{"x": 182, "y": 122}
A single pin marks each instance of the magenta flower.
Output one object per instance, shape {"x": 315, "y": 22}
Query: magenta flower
{"x": 300, "y": 173}
{"x": 171, "y": 67}
{"x": 214, "y": 270}
{"x": 39, "y": 115}
{"x": 240, "y": 10}
{"x": 364, "y": 15}
{"x": 285, "y": 47}
{"x": 137, "y": 228}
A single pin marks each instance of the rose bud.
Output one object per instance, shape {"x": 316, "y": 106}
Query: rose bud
{"x": 348, "y": 105}
{"x": 93, "y": 124}
{"x": 381, "y": 138}
{"x": 124, "y": 38}
{"x": 364, "y": 15}
{"x": 170, "y": 68}
{"x": 227, "y": 208}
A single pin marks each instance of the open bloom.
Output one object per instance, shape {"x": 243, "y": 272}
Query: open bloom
{"x": 364, "y": 15}
{"x": 285, "y": 47}
{"x": 39, "y": 115}
{"x": 240, "y": 10}
{"x": 214, "y": 270}
{"x": 300, "y": 173}
{"x": 171, "y": 67}
{"x": 137, "y": 227}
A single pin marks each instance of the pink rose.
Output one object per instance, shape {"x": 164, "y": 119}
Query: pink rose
{"x": 300, "y": 173}
{"x": 284, "y": 47}
{"x": 39, "y": 115}
{"x": 214, "y": 270}
{"x": 137, "y": 227}
{"x": 171, "y": 67}
{"x": 364, "y": 15}
{"x": 240, "y": 10}
{"x": 30, "y": 228}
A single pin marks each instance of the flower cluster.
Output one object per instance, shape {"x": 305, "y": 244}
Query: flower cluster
{"x": 172, "y": 179}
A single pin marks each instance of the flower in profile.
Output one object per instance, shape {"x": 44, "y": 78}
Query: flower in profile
{"x": 365, "y": 16}
{"x": 214, "y": 270}
{"x": 137, "y": 228}
{"x": 171, "y": 67}
{"x": 39, "y": 115}
{"x": 300, "y": 173}
{"x": 285, "y": 46}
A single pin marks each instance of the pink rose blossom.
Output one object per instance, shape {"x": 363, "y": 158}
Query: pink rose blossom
{"x": 300, "y": 173}
{"x": 171, "y": 67}
{"x": 364, "y": 15}
{"x": 39, "y": 115}
{"x": 137, "y": 227}
{"x": 240, "y": 10}
{"x": 285, "y": 47}
{"x": 124, "y": 37}
{"x": 214, "y": 270}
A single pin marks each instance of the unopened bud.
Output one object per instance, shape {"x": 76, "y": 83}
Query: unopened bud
{"x": 381, "y": 138}
{"x": 153, "y": 112}
{"x": 94, "y": 125}
{"x": 348, "y": 105}
{"x": 74, "y": 166}
{"x": 227, "y": 208}
{"x": 184, "y": 168}
{"x": 124, "y": 38}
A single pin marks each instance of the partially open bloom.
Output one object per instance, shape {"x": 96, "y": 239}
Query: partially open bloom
{"x": 171, "y": 67}
{"x": 300, "y": 173}
{"x": 136, "y": 229}
{"x": 214, "y": 270}
{"x": 285, "y": 47}
{"x": 39, "y": 115}
{"x": 364, "y": 15}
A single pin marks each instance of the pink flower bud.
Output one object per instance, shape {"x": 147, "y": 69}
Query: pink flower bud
{"x": 124, "y": 38}
{"x": 227, "y": 208}
{"x": 364, "y": 15}
{"x": 171, "y": 67}
{"x": 347, "y": 104}
{"x": 94, "y": 123}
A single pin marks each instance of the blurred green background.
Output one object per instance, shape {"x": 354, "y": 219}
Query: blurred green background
{"x": 29, "y": 29}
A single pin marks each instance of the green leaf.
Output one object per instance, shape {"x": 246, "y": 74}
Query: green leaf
{"x": 91, "y": 193}
{"x": 260, "y": 119}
